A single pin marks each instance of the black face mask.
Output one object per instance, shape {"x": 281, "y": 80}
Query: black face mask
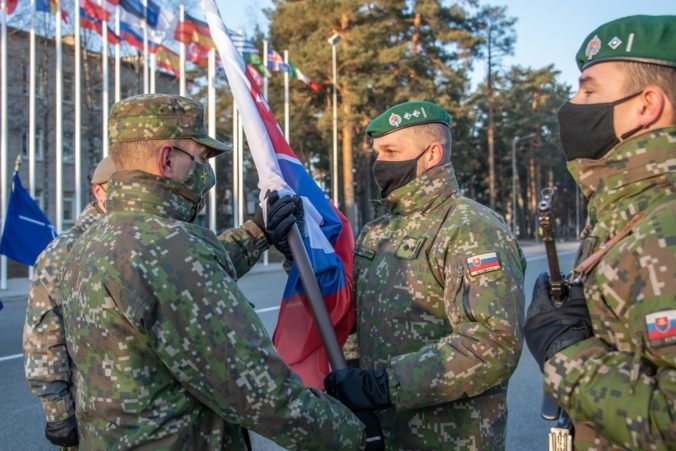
{"x": 587, "y": 130}
{"x": 391, "y": 175}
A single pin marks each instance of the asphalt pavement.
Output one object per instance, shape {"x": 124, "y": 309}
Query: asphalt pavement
{"x": 22, "y": 420}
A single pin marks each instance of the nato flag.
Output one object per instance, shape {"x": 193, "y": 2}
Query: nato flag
{"x": 27, "y": 230}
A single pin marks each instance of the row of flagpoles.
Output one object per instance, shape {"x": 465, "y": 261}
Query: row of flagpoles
{"x": 154, "y": 30}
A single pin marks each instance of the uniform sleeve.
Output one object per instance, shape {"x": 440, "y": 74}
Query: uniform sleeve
{"x": 215, "y": 345}
{"x": 628, "y": 394}
{"x": 484, "y": 310}
{"x": 244, "y": 246}
{"x": 46, "y": 362}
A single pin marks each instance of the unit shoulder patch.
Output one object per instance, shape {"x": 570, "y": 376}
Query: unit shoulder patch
{"x": 483, "y": 263}
{"x": 661, "y": 328}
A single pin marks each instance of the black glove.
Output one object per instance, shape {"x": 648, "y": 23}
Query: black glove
{"x": 359, "y": 389}
{"x": 550, "y": 329}
{"x": 282, "y": 213}
{"x": 62, "y": 433}
{"x": 374, "y": 433}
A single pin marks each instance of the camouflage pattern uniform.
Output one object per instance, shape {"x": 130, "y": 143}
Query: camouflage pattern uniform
{"x": 448, "y": 338}
{"x": 169, "y": 353}
{"x": 46, "y": 362}
{"x": 619, "y": 386}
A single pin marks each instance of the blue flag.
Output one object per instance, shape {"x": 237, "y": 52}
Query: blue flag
{"x": 27, "y": 230}
{"x": 150, "y": 13}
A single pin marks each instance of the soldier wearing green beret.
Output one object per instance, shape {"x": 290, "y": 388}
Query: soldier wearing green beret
{"x": 46, "y": 363}
{"x": 438, "y": 289}
{"x": 613, "y": 368}
{"x": 169, "y": 353}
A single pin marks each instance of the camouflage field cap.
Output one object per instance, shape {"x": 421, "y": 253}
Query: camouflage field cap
{"x": 405, "y": 115}
{"x": 644, "y": 39}
{"x": 159, "y": 117}
{"x": 103, "y": 171}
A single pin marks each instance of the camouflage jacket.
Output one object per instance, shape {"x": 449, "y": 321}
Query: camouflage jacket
{"x": 620, "y": 385}
{"x": 439, "y": 301}
{"x": 169, "y": 353}
{"x": 46, "y": 362}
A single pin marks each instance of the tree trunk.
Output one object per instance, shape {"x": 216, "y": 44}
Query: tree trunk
{"x": 348, "y": 184}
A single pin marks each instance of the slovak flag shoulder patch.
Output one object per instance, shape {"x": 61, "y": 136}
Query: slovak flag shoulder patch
{"x": 661, "y": 328}
{"x": 480, "y": 264}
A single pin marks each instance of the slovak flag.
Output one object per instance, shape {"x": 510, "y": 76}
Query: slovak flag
{"x": 327, "y": 236}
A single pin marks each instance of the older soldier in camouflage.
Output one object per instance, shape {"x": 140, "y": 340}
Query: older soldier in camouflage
{"x": 169, "y": 353}
{"x": 619, "y": 136}
{"x": 439, "y": 297}
{"x": 46, "y": 362}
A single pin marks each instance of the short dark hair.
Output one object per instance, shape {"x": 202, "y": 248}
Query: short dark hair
{"x": 640, "y": 75}
{"x": 435, "y": 132}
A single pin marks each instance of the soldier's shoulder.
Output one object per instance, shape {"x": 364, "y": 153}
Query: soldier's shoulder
{"x": 472, "y": 214}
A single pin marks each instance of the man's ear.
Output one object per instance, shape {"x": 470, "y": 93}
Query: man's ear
{"x": 434, "y": 155}
{"x": 165, "y": 163}
{"x": 651, "y": 108}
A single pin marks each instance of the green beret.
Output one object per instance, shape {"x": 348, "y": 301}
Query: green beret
{"x": 644, "y": 39}
{"x": 405, "y": 115}
{"x": 159, "y": 117}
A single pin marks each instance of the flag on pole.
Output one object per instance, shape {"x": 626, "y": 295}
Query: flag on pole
{"x": 92, "y": 23}
{"x": 27, "y": 230}
{"x": 168, "y": 60}
{"x": 295, "y": 72}
{"x": 130, "y": 29}
{"x": 241, "y": 43}
{"x": 276, "y": 62}
{"x": 95, "y": 11}
{"x": 50, "y": 6}
{"x": 327, "y": 236}
{"x": 255, "y": 75}
{"x": 192, "y": 30}
{"x": 149, "y": 14}
{"x": 254, "y": 60}
{"x": 10, "y": 6}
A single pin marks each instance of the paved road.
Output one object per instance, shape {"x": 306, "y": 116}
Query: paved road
{"x": 22, "y": 422}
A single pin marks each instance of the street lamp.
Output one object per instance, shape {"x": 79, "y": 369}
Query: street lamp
{"x": 515, "y": 142}
{"x": 333, "y": 40}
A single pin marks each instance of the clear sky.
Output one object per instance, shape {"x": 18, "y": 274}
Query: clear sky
{"x": 548, "y": 32}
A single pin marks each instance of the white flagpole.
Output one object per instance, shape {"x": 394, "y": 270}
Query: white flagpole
{"x": 118, "y": 82}
{"x": 104, "y": 82}
{"x": 146, "y": 86}
{"x": 240, "y": 170}
{"x": 153, "y": 65}
{"x": 59, "y": 124}
{"x": 265, "y": 74}
{"x": 181, "y": 51}
{"x": 77, "y": 141}
{"x": 286, "y": 97}
{"x": 31, "y": 113}
{"x": 212, "y": 132}
{"x": 3, "y": 130}
{"x": 235, "y": 166}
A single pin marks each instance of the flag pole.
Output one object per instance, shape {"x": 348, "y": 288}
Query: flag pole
{"x": 31, "y": 113}
{"x": 153, "y": 72}
{"x": 240, "y": 169}
{"x": 181, "y": 52}
{"x": 77, "y": 141}
{"x": 104, "y": 82}
{"x": 118, "y": 82}
{"x": 59, "y": 123}
{"x": 146, "y": 86}
{"x": 286, "y": 97}
{"x": 3, "y": 130}
{"x": 265, "y": 63}
{"x": 212, "y": 132}
{"x": 235, "y": 166}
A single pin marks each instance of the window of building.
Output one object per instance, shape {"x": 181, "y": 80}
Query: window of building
{"x": 25, "y": 144}
{"x": 69, "y": 214}
{"x": 68, "y": 146}
{"x": 68, "y": 89}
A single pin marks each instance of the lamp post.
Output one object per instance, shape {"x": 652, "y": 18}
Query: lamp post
{"x": 333, "y": 40}
{"x": 515, "y": 142}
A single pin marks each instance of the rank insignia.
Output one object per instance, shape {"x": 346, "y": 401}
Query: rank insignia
{"x": 480, "y": 264}
{"x": 661, "y": 328}
{"x": 395, "y": 120}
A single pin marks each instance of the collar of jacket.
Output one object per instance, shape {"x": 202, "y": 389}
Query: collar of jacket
{"x": 423, "y": 192}
{"x": 628, "y": 178}
{"x": 89, "y": 216}
{"x": 139, "y": 191}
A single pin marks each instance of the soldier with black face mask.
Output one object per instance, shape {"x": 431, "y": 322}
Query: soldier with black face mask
{"x": 617, "y": 381}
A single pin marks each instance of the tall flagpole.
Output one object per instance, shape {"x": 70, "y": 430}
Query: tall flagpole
{"x": 240, "y": 169}
{"x": 31, "y": 113}
{"x": 118, "y": 81}
{"x": 181, "y": 52}
{"x": 59, "y": 124}
{"x": 265, "y": 74}
{"x": 212, "y": 132}
{"x": 146, "y": 86}
{"x": 286, "y": 97}
{"x": 153, "y": 65}
{"x": 104, "y": 82}
{"x": 77, "y": 137}
{"x": 3, "y": 131}
{"x": 235, "y": 166}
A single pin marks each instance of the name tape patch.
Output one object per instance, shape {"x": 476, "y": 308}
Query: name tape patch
{"x": 480, "y": 264}
{"x": 661, "y": 327}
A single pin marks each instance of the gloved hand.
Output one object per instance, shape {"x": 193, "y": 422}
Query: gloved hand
{"x": 63, "y": 432}
{"x": 359, "y": 389}
{"x": 550, "y": 329}
{"x": 374, "y": 433}
{"x": 281, "y": 214}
